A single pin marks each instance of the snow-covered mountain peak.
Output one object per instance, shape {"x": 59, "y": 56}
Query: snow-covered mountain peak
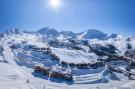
{"x": 13, "y": 31}
{"x": 111, "y": 36}
{"x": 53, "y": 33}
{"x": 49, "y": 32}
{"x": 92, "y": 34}
{"x": 68, "y": 34}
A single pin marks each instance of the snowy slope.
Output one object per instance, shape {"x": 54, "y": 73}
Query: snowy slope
{"x": 73, "y": 56}
{"x": 68, "y": 34}
{"x": 48, "y": 32}
{"x": 92, "y": 34}
{"x": 14, "y": 76}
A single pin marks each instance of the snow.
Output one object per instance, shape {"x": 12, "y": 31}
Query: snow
{"x": 92, "y": 34}
{"x": 87, "y": 78}
{"x": 73, "y": 56}
{"x": 8, "y": 71}
{"x": 120, "y": 43}
{"x": 61, "y": 70}
{"x": 14, "y": 76}
{"x": 130, "y": 85}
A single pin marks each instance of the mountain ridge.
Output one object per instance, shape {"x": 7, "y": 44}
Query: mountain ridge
{"x": 50, "y": 32}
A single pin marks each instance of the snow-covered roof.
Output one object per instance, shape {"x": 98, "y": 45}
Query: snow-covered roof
{"x": 39, "y": 64}
{"x": 61, "y": 70}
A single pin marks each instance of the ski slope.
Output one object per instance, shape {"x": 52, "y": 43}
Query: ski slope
{"x": 75, "y": 56}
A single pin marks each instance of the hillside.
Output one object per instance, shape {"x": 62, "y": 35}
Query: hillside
{"x": 94, "y": 62}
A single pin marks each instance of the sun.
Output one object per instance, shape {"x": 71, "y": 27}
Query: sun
{"x": 55, "y": 3}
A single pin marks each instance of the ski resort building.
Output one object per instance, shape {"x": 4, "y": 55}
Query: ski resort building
{"x": 42, "y": 69}
{"x": 59, "y": 72}
{"x": 54, "y": 71}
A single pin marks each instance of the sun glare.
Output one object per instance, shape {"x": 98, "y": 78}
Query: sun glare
{"x": 55, "y": 3}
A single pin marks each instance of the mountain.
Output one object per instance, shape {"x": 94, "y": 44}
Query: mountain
{"x": 111, "y": 36}
{"x": 1, "y": 35}
{"x": 49, "y": 32}
{"x": 92, "y": 34}
{"x": 13, "y": 31}
{"x": 68, "y": 33}
{"x": 29, "y": 61}
{"x": 89, "y": 34}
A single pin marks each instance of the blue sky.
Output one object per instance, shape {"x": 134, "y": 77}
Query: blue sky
{"x": 109, "y": 16}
